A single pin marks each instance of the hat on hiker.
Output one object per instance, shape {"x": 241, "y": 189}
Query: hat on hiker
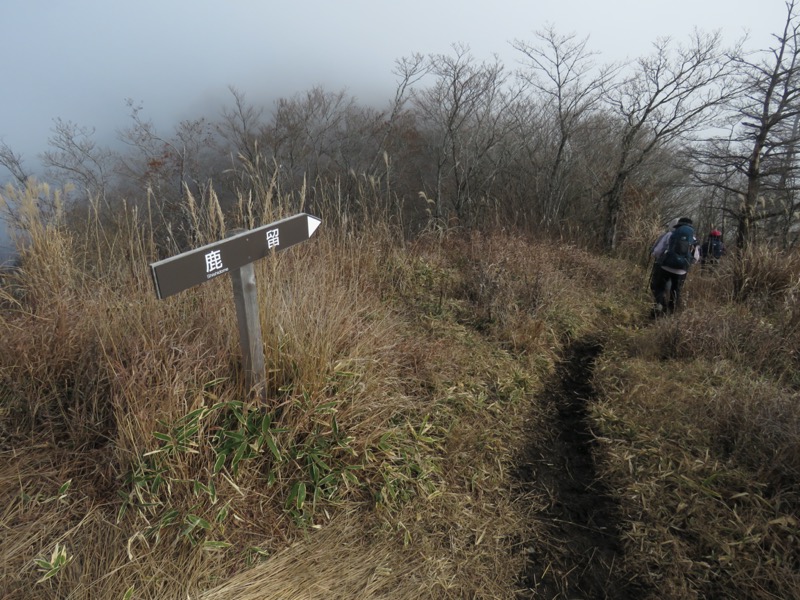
{"x": 715, "y": 233}
{"x": 684, "y": 221}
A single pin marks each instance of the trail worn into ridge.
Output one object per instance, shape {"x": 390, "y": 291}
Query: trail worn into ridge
{"x": 583, "y": 558}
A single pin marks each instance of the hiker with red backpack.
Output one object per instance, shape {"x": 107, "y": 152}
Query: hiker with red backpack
{"x": 712, "y": 249}
{"x": 674, "y": 252}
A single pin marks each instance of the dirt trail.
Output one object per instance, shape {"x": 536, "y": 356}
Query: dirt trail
{"x": 584, "y": 555}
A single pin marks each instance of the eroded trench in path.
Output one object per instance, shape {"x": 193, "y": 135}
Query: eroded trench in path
{"x": 583, "y": 555}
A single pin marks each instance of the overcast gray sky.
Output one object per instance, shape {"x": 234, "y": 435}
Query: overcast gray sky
{"x": 79, "y": 60}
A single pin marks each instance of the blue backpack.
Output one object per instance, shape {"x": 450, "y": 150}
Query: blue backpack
{"x": 680, "y": 249}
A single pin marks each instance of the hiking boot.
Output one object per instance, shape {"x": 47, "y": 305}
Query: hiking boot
{"x": 657, "y": 311}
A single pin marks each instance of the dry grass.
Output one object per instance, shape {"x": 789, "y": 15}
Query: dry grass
{"x": 391, "y": 428}
{"x": 699, "y": 431}
{"x": 403, "y": 381}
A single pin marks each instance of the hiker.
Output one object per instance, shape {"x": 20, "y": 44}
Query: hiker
{"x": 712, "y": 249}
{"x": 657, "y": 251}
{"x": 674, "y": 252}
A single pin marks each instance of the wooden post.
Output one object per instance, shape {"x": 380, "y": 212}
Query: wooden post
{"x": 235, "y": 255}
{"x": 245, "y": 297}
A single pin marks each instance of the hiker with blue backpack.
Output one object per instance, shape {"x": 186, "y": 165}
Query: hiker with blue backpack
{"x": 657, "y": 251}
{"x": 712, "y": 249}
{"x": 673, "y": 253}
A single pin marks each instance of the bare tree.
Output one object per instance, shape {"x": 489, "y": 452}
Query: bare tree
{"x": 391, "y": 140}
{"x": 561, "y": 72}
{"x": 666, "y": 98}
{"x": 409, "y": 71}
{"x": 167, "y": 168}
{"x": 756, "y": 162}
{"x": 462, "y": 116}
{"x": 74, "y": 156}
{"x": 242, "y": 125}
{"x": 12, "y": 161}
{"x": 306, "y": 130}
{"x": 166, "y": 165}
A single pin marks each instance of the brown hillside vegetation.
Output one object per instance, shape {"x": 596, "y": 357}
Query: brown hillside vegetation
{"x": 464, "y": 415}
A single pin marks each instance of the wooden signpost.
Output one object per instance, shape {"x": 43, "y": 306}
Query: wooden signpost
{"x": 235, "y": 255}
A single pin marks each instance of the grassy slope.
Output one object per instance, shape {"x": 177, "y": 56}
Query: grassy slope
{"x": 404, "y": 382}
{"x": 699, "y": 426}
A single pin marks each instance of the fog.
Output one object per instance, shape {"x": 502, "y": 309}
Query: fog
{"x": 6, "y": 249}
{"x": 80, "y": 60}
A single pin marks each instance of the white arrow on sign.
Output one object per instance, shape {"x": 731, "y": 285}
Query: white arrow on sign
{"x": 313, "y": 223}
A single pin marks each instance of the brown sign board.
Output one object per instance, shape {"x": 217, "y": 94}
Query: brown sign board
{"x": 175, "y": 274}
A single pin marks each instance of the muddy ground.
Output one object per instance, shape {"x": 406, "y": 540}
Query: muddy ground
{"x": 584, "y": 559}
